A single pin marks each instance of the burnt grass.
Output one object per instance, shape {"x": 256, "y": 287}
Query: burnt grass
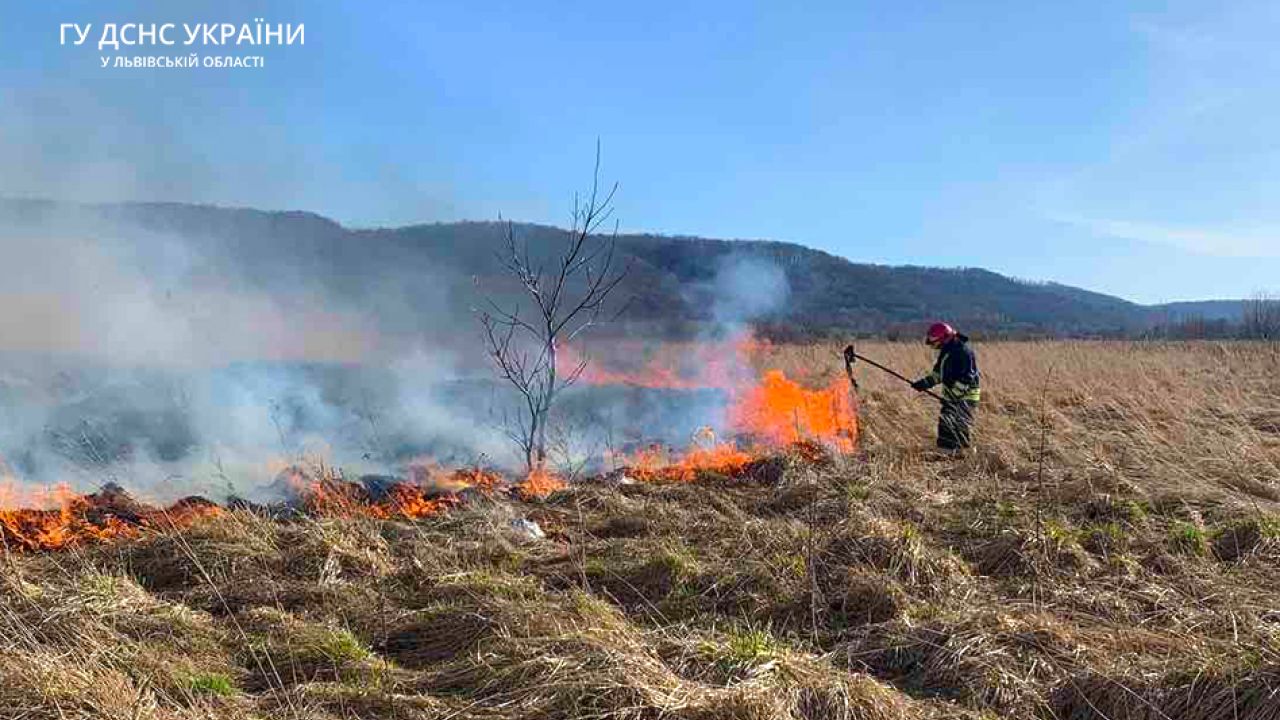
{"x": 1125, "y": 568}
{"x": 822, "y": 591}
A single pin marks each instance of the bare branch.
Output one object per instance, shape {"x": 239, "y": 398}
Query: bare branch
{"x": 567, "y": 300}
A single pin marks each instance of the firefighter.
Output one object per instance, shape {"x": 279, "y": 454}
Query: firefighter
{"x": 956, "y": 370}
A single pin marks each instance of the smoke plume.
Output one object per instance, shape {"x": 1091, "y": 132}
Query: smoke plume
{"x": 136, "y": 350}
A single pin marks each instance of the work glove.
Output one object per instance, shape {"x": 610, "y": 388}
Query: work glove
{"x": 920, "y": 385}
{"x": 849, "y": 357}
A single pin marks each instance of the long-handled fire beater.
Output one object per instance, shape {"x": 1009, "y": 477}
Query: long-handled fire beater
{"x": 851, "y": 357}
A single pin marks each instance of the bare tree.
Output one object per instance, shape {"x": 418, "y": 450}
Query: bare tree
{"x": 1262, "y": 317}
{"x": 562, "y": 297}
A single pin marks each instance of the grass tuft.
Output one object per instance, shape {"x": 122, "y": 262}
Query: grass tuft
{"x": 1189, "y": 539}
{"x": 212, "y": 684}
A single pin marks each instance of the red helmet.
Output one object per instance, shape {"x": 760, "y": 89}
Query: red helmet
{"x": 939, "y": 333}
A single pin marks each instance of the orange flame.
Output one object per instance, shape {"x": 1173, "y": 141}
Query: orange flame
{"x": 771, "y": 410}
{"x": 331, "y": 496}
{"x": 659, "y": 464}
{"x": 539, "y": 483}
{"x": 784, "y": 413}
{"x": 76, "y": 519}
{"x": 58, "y": 517}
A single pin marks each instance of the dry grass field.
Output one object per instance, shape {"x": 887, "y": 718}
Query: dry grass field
{"x": 1111, "y": 549}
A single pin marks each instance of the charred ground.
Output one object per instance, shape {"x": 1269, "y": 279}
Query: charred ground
{"x": 1111, "y": 551}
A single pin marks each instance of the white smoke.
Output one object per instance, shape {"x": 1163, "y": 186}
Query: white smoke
{"x": 746, "y": 288}
{"x": 174, "y": 366}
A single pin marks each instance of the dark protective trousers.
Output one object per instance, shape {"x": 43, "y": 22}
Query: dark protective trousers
{"x": 955, "y": 424}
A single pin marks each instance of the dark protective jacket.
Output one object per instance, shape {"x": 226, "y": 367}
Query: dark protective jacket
{"x": 956, "y": 369}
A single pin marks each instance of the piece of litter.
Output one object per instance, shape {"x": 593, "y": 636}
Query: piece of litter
{"x": 528, "y": 529}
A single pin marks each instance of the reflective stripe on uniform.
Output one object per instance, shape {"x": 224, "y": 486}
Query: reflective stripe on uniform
{"x": 956, "y": 390}
{"x": 961, "y": 391}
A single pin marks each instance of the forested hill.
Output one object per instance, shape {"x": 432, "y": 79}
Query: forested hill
{"x": 668, "y": 285}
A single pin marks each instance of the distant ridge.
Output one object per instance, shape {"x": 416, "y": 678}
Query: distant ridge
{"x": 666, "y": 284}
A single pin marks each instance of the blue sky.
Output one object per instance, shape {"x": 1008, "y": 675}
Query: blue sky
{"x": 1126, "y": 148}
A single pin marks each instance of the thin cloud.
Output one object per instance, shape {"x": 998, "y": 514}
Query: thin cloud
{"x": 1255, "y": 242}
